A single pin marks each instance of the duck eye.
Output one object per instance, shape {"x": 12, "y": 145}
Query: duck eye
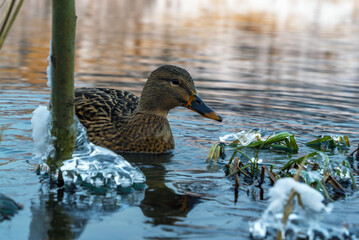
{"x": 175, "y": 82}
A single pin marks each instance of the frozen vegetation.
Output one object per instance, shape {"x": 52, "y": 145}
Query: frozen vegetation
{"x": 306, "y": 218}
{"x": 244, "y": 137}
{"x": 296, "y": 210}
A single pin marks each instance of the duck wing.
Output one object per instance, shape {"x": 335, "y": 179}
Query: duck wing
{"x": 100, "y": 109}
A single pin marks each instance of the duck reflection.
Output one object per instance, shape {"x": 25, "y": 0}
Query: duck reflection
{"x": 161, "y": 203}
{"x": 63, "y": 214}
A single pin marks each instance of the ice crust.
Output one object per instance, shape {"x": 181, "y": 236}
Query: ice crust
{"x": 49, "y": 68}
{"x": 306, "y": 219}
{"x": 244, "y": 137}
{"x": 311, "y": 198}
{"x": 40, "y": 122}
{"x": 92, "y": 166}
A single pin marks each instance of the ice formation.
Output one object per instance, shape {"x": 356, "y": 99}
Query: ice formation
{"x": 244, "y": 137}
{"x": 98, "y": 166}
{"x": 303, "y": 219}
{"x": 91, "y": 166}
{"x": 256, "y": 160}
{"x": 49, "y": 68}
{"x": 40, "y": 122}
{"x": 312, "y": 199}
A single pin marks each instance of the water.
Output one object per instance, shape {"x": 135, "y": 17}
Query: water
{"x": 270, "y": 65}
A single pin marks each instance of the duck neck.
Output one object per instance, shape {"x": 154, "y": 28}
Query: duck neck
{"x": 151, "y": 111}
{"x": 141, "y": 132}
{"x": 150, "y": 104}
{"x": 142, "y": 125}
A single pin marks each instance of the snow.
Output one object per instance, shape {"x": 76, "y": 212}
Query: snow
{"x": 311, "y": 198}
{"x": 304, "y": 218}
{"x": 41, "y": 122}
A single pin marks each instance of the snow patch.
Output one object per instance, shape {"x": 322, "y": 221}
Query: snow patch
{"x": 305, "y": 218}
{"x": 312, "y": 199}
{"x": 41, "y": 126}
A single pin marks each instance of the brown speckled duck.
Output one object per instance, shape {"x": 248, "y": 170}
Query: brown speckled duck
{"x": 122, "y": 122}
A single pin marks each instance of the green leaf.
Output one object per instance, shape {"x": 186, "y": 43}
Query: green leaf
{"x": 234, "y": 143}
{"x": 293, "y": 144}
{"x": 346, "y": 140}
{"x": 280, "y": 147}
{"x": 326, "y": 141}
{"x": 277, "y": 138}
{"x": 298, "y": 160}
{"x": 320, "y": 140}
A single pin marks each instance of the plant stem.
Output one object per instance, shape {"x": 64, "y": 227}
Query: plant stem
{"x": 62, "y": 71}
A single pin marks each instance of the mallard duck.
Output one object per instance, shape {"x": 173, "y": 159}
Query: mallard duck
{"x": 122, "y": 122}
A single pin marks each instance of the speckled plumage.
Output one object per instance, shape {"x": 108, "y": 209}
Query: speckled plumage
{"x": 109, "y": 118}
{"x": 122, "y": 122}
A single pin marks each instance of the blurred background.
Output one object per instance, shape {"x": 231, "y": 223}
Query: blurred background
{"x": 309, "y": 48}
{"x": 280, "y": 65}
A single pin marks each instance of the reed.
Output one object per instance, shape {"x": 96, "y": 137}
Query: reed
{"x": 7, "y": 20}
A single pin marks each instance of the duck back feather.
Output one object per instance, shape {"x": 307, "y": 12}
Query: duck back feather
{"x": 111, "y": 121}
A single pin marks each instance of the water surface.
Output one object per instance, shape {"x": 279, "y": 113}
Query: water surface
{"x": 273, "y": 65}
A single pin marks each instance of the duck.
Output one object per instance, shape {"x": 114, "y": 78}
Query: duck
{"x": 124, "y": 123}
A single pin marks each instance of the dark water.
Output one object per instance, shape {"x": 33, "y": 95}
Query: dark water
{"x": 290, "y": 67}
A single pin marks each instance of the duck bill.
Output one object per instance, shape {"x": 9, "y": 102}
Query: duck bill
{"x": 195, "y": 103}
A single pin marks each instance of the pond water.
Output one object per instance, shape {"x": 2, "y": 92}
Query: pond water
{"x": 275, "y": 65}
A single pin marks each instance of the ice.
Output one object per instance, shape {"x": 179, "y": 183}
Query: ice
{"x": 310, "y": 177}
{"x": 256, "y": 160}
{"x": 258, "y": 230}
{"x": 303, "y": 219}
{"x": 49, "y": 68}
{"x": 244, "y": 137}
{"x": 342, "y": 172}
{"x": 92, "y": 166}
{"x": 41, "y": 122}
{"x": 311, "y": 198}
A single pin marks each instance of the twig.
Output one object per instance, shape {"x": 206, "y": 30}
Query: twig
{"x": 356, "y": 150}
{"x": 288, "y": 208}
{"x": 271, "y": 177}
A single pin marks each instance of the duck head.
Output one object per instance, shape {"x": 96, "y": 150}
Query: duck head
{"x": 168, "y": 87}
